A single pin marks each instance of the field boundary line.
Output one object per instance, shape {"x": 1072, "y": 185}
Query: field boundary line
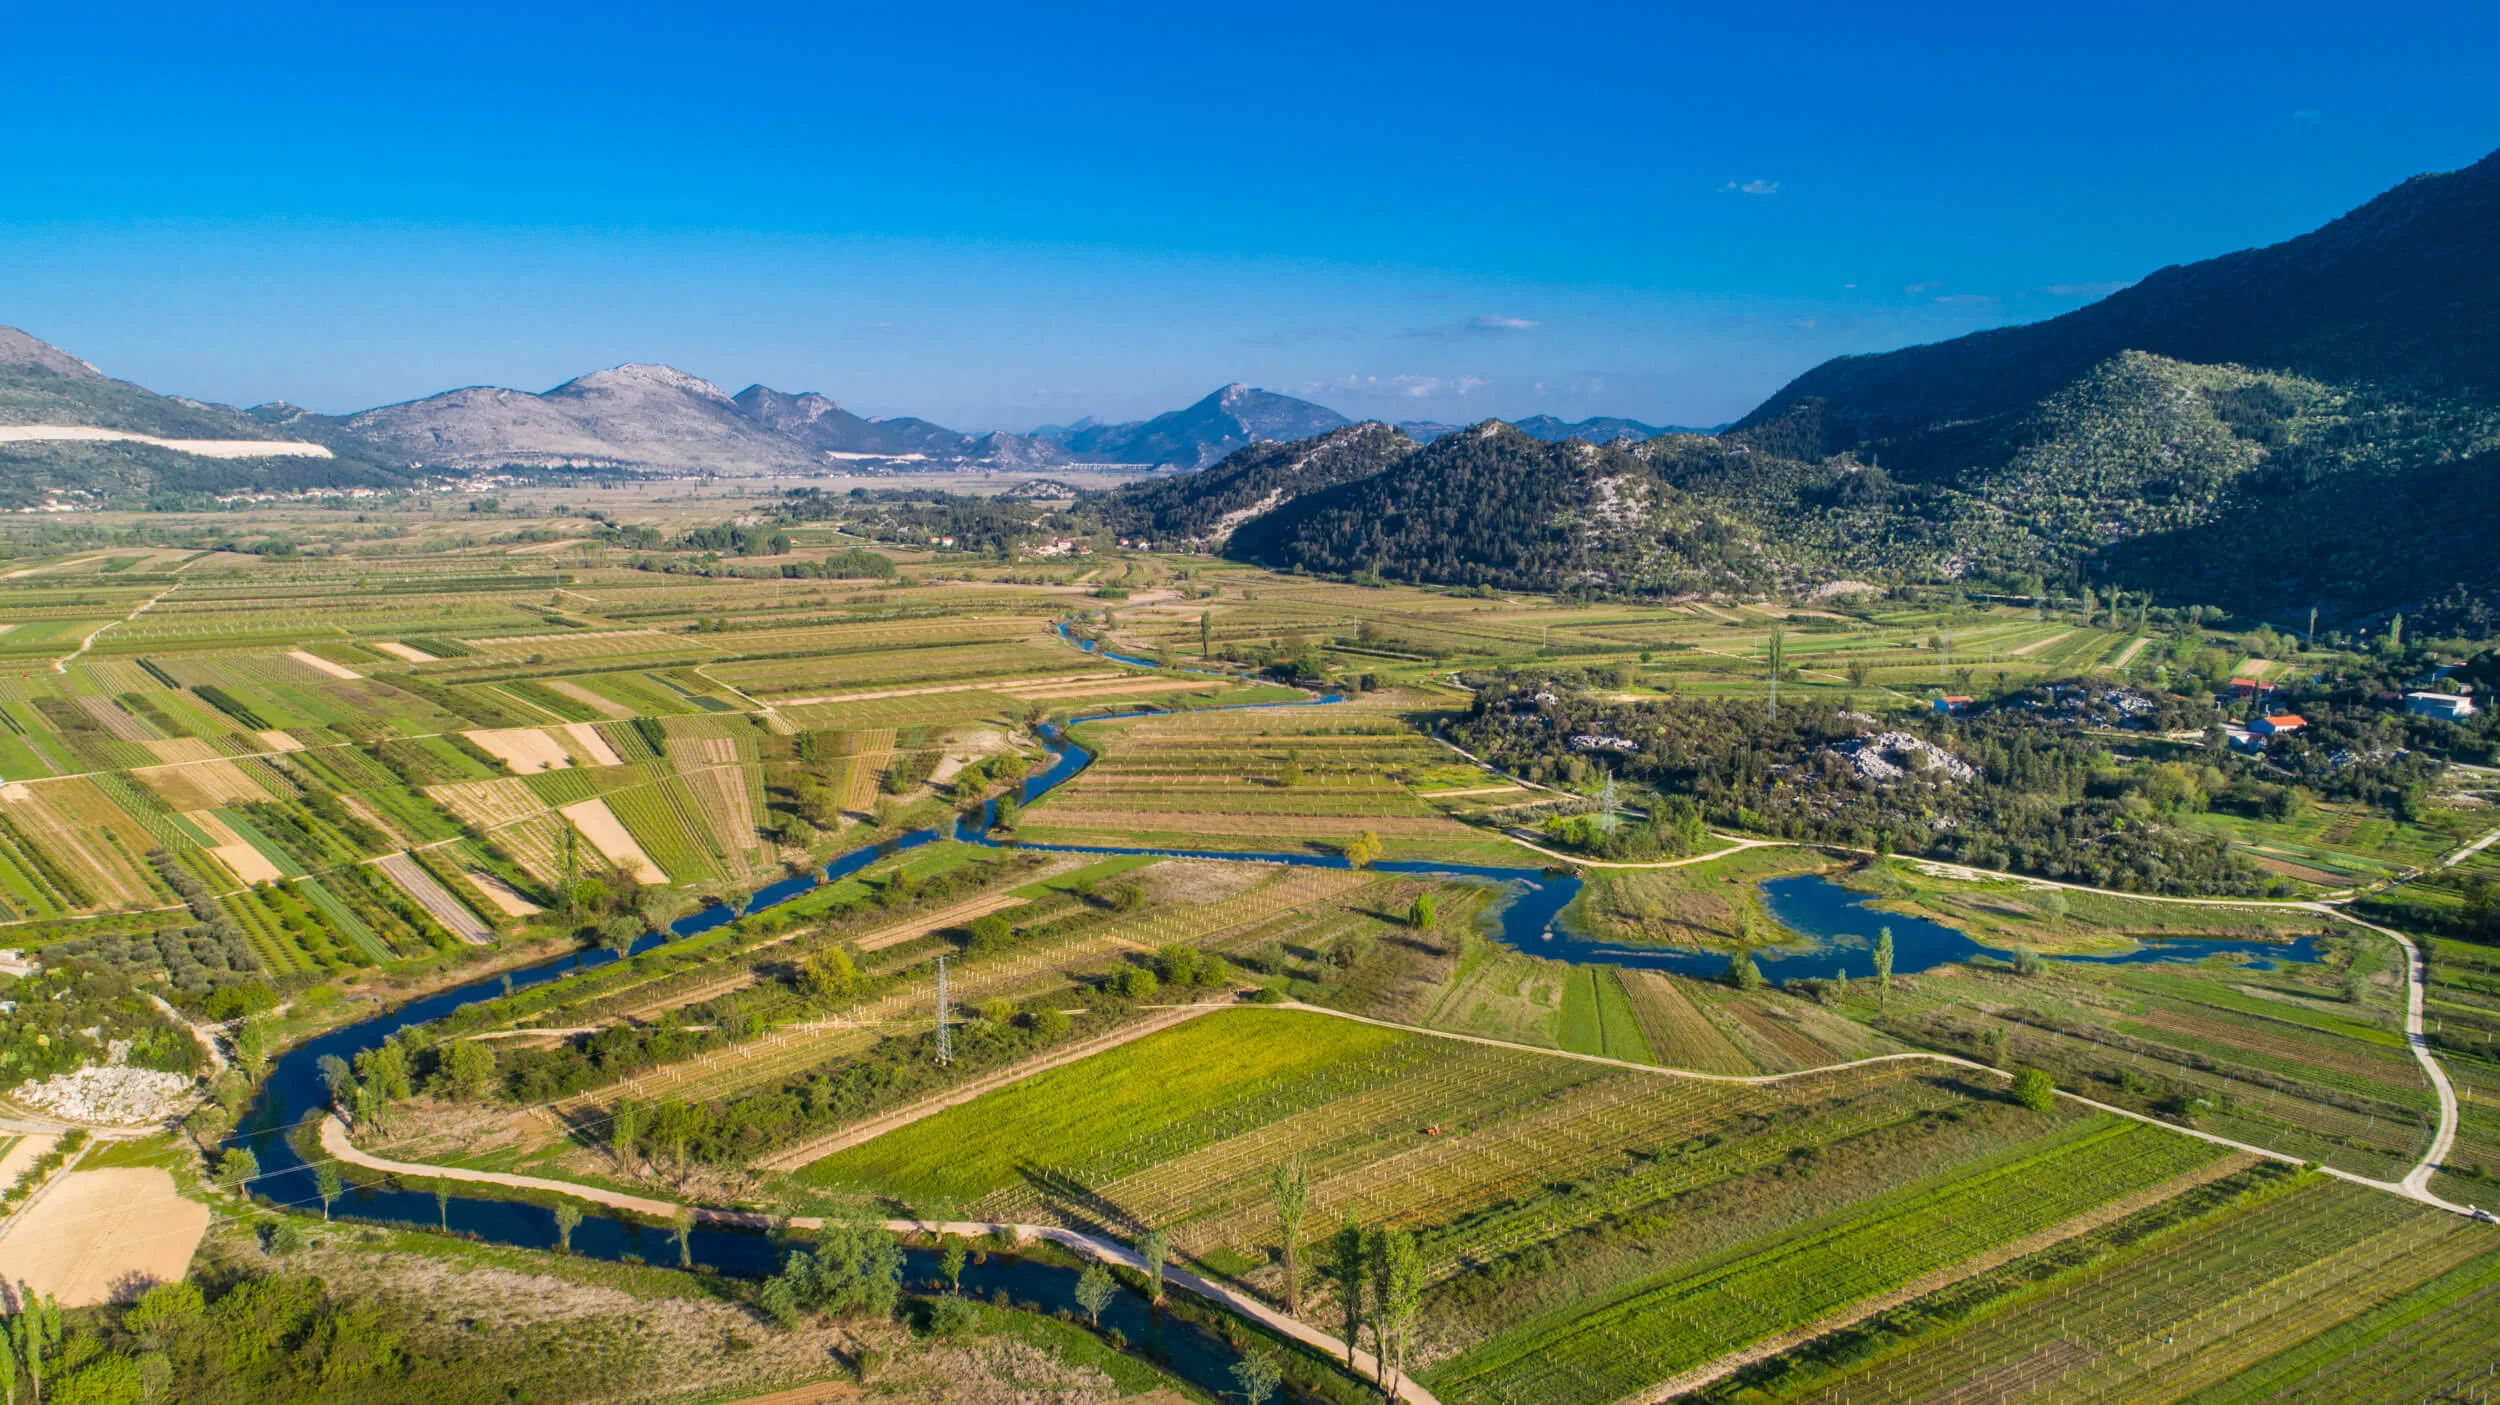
{"x": 2400, "y": 1188}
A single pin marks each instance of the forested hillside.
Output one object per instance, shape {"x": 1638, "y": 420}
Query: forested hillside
{"x": 1257, "y": 480}
{"x": 2401, "y": 293}
{"x": 1490, "y": 506}
{"x": 2309, "y": 426}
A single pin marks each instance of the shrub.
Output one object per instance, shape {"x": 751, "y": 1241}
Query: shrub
{"x": 2035, "y": 1090}
{"x": 1742, "y": 973}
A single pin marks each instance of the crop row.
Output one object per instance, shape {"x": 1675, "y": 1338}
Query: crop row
{"x": 2192, "y": 1307}
{"x": 1461, "y": 1083}
{"x": 1652, "y": 1331}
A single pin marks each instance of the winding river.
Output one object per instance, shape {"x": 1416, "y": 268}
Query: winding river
{"x": 1835, "y": 921}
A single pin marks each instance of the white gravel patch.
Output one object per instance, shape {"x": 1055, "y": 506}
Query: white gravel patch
{"x": 120, "y": 1097}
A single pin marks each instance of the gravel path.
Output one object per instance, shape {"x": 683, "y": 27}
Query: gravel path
{"x": 334, "y": 1142}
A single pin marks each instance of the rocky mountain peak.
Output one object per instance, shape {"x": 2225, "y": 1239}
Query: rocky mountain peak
{"x": 637, "y": 378}
{"x": 19, "y": 351}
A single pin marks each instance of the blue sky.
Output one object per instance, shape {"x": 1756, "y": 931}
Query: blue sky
{"x": 999, "y": 215}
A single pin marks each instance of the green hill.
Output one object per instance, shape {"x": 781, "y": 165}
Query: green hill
{"x": 1490, "y": 506}
{"x": 1208, "y": 505}
{"x": 2311, "y": 425}
{"x": 2402, "y": 293}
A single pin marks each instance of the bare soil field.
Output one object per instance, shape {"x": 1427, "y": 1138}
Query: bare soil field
{"x": 500, "y": 893}
{"x": 319, "y": 664}
{"x": 524, "y": 749}
{"x": 240, "y": 858}
{"x": 400, "y": 651}
{"x": 606, "y": 707}
{"x": 104, "y": 1236}
{"x": 600, "y": 826}
{"x": 200, "y": 784}
{"x": 590, "y": 746}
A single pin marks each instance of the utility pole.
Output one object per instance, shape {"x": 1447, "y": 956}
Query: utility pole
{"x": 1606, "y": 804}
{"x": 945, "y": 1034}
{"x": 1779, "y": 653}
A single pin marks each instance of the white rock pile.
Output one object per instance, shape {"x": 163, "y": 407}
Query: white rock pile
{"x": 1890, "y": 756}
{"x": 119, "y": 1097}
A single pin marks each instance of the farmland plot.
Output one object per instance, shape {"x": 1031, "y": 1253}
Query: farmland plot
{"x": 248, "y": 864}
{"x": 599, "y": 825}
{"x": 439, "y": 904}
{"x": 79, "y": 829}
{"x": 199, "y": 785}
{"x": 584, "y": 644}
{"x": 2287, "y": 1294}
{"x": 1135, "y": 1092}
{"x": 1676, "y": 1030}
{"x": 664, "y": 819}
{"x": 796, "y": 1048}
{"x": 727, "y": 805}
{"x": 507, "y": 811}
{"x": 524, "y": 749}
{"x": 110, "y": 716}
{"x": 1648, "y": 1332}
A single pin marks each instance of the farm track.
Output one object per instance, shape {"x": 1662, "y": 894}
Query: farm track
{"x": 334, "y": 1142}
{"x": 2411, "y": 1188}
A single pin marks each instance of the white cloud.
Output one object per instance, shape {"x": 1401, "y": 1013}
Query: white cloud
{"x": 1751, "y": 187}
{"x": 1914, "y": 289}
{"x": 1967, "y": 299}
{"x": 1409, "y": 387}
{"x": 1483, "y": 324}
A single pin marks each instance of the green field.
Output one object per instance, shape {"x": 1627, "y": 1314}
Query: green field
{"x": 1597, "y": 1017}
{"x": 1195, "y": 1080}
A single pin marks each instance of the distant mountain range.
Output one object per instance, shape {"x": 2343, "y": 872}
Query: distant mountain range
{"x": 643, "y": 418}
{"x": 2315, "y": 424}
{"x": 659, "y": 419}
{"x": 1230, "y": 419}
